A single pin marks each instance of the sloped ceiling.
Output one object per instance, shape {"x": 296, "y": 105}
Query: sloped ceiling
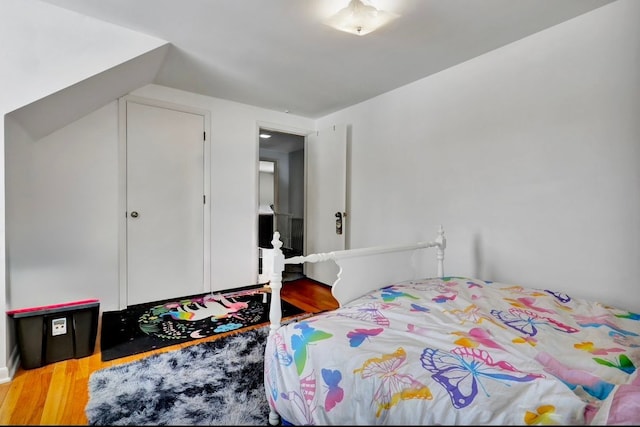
{"x": 54, "y": 111}
{"x": 278, "y": 54}
{"x": 59, "y": 65}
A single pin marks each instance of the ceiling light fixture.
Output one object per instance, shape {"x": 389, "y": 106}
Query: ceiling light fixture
{"x": 265, "y": 135}
{"x": 359, "y": 18}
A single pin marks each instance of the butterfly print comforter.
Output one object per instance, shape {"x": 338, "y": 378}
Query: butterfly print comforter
{"x": 458, "y": 351}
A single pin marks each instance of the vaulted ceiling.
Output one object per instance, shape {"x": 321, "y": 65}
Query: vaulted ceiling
{"x": 279, "y": 55}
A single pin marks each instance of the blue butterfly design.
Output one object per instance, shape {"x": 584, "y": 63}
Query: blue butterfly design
{"x": 299, "y": 343}
{"x": 629, "y": 315}
{"x": 391, "y": 294}
{"x": 335, "y": 394}
{"x": 416, "y": 307}
{"x": 357, "y": 336}
{"x": 460, "y": 372}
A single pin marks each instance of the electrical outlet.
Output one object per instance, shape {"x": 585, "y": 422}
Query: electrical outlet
{"x": 59, "y": 326}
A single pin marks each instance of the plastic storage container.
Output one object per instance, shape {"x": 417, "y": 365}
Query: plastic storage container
{"x": 57, "y": 332}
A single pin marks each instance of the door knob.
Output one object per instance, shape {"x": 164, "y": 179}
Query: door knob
{"x": 134, "y": 214}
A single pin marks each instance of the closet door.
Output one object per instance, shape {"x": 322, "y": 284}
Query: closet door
{"x": 164, "y": 203}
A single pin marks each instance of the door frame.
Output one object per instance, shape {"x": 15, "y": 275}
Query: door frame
{"x": 122, "y": 188}
{"x": 275, "y": 127}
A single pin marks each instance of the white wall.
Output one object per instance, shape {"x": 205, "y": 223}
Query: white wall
{"x": 62, "y": 202}
{"x": 234, "y": 179}
{"x": 46, "y": 49}
{"x": 529, "y": 156}
{"x": 62, "y": 216}
{"x": 61, "y": 195}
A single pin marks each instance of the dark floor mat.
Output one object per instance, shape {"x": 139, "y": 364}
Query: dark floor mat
{"x": 145, "y": 327}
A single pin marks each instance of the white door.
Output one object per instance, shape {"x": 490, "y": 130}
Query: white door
{"x": 164, "y": 203}
{"x": 326, "y": 196}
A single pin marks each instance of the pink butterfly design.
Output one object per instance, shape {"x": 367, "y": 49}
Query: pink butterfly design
{"x": 417, "y": 330}
{"x": 527, "y": 322}
{"x": 601, "y": 320}
{"x": 444, "y": 298}
{"x": 572, "y": 377}
{"x": 475, "y": 337}
{"x": 335, "y": 394}
{"x": 357, "y": 336}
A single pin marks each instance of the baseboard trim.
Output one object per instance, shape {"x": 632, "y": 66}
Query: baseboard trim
{"x": 8, "y": 372}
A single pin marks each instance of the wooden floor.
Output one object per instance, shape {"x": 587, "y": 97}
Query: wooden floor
{"x": 56, "y": 394}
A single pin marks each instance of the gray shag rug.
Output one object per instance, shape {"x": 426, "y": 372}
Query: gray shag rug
{"x": 218, "y": 382}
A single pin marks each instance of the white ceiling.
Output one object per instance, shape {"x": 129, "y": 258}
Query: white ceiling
{"x": 277, "y": 54}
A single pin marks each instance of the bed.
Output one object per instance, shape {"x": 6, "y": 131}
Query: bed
{"x": 408, "y": 349}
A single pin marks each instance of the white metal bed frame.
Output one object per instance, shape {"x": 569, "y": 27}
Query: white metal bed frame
{"x": 360, "y": 271}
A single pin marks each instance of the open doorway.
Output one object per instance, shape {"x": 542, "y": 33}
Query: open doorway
{"x": 281, "y": 193}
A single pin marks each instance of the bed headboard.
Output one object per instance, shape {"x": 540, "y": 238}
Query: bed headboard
{"x": 360, "y": 270}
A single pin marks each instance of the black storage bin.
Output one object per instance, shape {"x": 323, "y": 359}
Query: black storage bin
{"x": 58, "y": 332}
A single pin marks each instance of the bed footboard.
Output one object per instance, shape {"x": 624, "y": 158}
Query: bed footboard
{"x": 360, "y": 270}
